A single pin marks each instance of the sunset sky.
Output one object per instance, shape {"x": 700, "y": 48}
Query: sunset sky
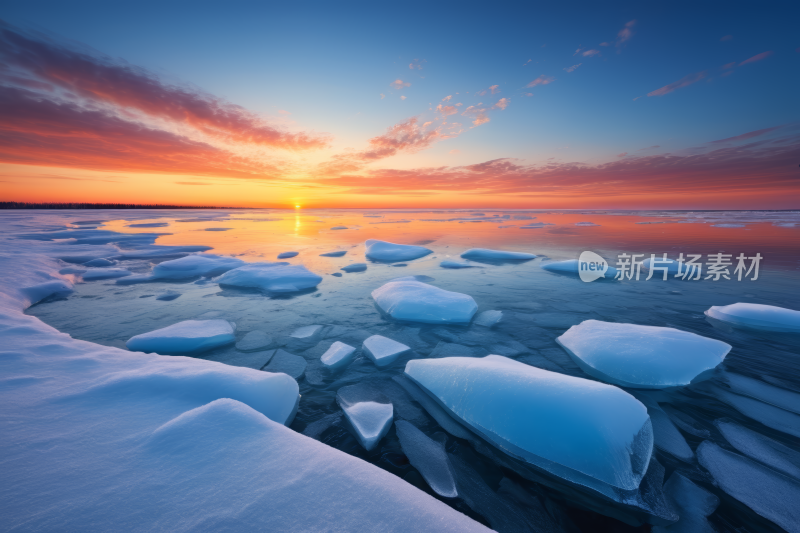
{"x": 406, "y": 105}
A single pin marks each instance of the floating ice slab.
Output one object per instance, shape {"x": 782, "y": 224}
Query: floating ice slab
{"x": 429, "y": 457}
{"x": 768, "y": 493}
{"x": 255, "y": 341}
{"x": 382, "y": 351}
{"x": 645, "y": 357}
{"x": 488, "y": 318}
{"x": 287, "y": 363}
{"x": 570, "y": 266}
{"x": 371, "y": 421}
{"x": 287, "y": 255}
{"x": 694, "y": 505}
{"x": 390, "y": 252}
{"x": 97, "y": 274}
{"x": 100, "y": 262}
{"x": 190, "y": 266}
{"x": 486, "y": 255}
{"x": 168, "y": 296}
{"x": 761, "y": 448}
{"x": 777, "y": 396}
{"x": 758, "y": 316}
{"x": 338, "y": 253}
{"x": 583, "y": 431}
{"x": 271, "y": 277}
{"x": 419, "y": 302}
{"x": 355, "y": 267}
{"x": 189, "y": 336}
{"x": 339, "y": 227}
{"x": 339, "y": 355}
{"x": 769, "y": 415}
{"x": 456, "y": 264}
{"x": 37, "y": 293}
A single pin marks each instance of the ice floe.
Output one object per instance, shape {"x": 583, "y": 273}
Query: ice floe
{"x": 580, "y": 430}
{"x": 100, "y": 262}
{"x": 255, "y": 341}
{"x": 761, "y": 448}
{"x": 370, "y": 414}
{"x": 485, "y": 255}
{"x": 456, "y": 264}
{"x": 355, "y": 267}
{"x": 694, "y": 506}
{"x": 769, "y": 415}
{"x": 390, "y": 252}
{"x": 190, "y": 266}
{"x": 287, "y": 255}
{"x": 428, "y": 457}
{"x": 287, "y": 363}
{"x": 338, "y": 356}
{"x": 271, "y": 277}
{"x": 383, "y": 351}
{"x": 168, "y": 296}
{"x": 339, "y": 227}
{"x": 97, "y": 274}
{"x": 757, "y": 316}
{"x": 754, "y": 388}
{"x": 488, "y": 318}
{"x": 189, "y": 336}
{"x": 645, "y": 357}
{"x": 768, "y": 493}
{"x": 338, "y": 253}
{"x": 419, "y": 302}
{"x": 571, "y": 266}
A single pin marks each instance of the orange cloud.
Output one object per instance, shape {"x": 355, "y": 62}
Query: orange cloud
{"x": 447, "y": 110}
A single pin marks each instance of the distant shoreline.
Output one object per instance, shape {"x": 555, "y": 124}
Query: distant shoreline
{"x": 83, "y": 205}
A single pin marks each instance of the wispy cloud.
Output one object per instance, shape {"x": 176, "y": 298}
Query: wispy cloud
{"x": 541, "y": 80}
{"x": 573, "y": 67}
{"x": 757, "y": 57}
{"x": 683, "y": 82}
{"x": 477, "y": 113}
{"x": 403, "y": 97}
{"x": 590, "y": 53}
{"x": 447, "y": 98}
{"x": 59, "y": 72}
{"x": 501, "y": 104}
{"x": 399, "y": 84}
{"x": 494, "y": 89}
{"x": 625, "y": 33}
{"x": 447, "y": 110}
{"x": 745, "y": 136}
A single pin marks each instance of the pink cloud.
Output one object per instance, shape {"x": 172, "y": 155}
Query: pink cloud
{"x": 494, "y": 89}
{"x": 623, "y": 154}
{"x": 625, "y": 33}
{"x": 403, "y": 97}
{"x": 573, "y": 67}
{"x": 447, "y": 110}
{"x": 683, "y": 82}
{"x": 745, "y": 136}
{"x": 758, "y": 57}
{"x": 501, "y": 104}
{"x": 478, "y": 113}
{"x": 399, "y": 84}
{"x": 590, "y": 53}
{"x": 541, "y": 80}
{"x": 447, "y": 98}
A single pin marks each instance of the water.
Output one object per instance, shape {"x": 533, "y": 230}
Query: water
{"x": 537, "y": 305}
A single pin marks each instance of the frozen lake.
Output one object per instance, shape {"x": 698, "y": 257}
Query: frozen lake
{"x": 754, "y": 389}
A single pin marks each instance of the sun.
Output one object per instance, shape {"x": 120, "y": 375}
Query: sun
{"x": 297, "y": 206}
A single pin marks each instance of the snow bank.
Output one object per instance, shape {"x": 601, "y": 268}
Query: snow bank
{"x": 570, "y": 266}
{"x": 757, "y": 316}
{"x": 189, "y": 336}
{"x": 271, "y": 277}
{"x": 390, "y": 252}
{"x": 583, "y": 431}
{"x": 419, "y": 302}
{"x": 645, "y": 357}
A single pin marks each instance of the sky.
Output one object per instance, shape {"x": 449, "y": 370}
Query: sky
{"x": 638, "y": 105}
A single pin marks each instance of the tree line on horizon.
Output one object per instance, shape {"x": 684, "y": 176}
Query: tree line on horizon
{"x": 85, "y": 205}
